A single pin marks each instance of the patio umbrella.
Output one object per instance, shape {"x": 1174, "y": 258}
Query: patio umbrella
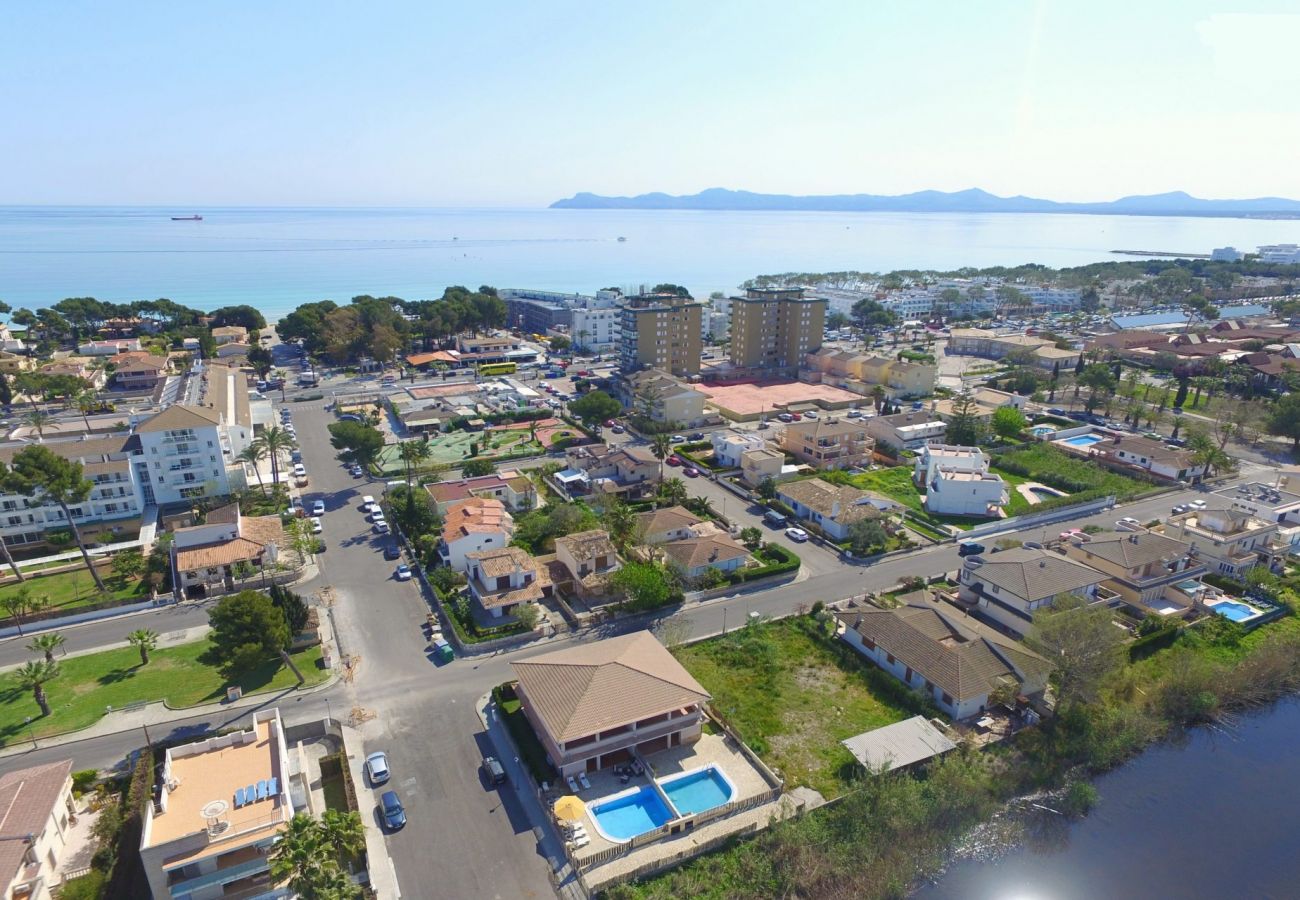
{"x": 569, "y": 809}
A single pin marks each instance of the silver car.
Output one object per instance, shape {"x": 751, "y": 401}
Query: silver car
{"x": 377, "y": 767}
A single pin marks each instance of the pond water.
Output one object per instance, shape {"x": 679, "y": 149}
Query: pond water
{"x": 1214, "y": 815}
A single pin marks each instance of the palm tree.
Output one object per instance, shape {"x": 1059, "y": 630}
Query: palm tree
{"x": 412, "y": 453}
{"x": 40, "y": 420}
{"x": 619, "y": 521}
{"x": 144, "y": 640}
{"x": 661, "y": 445}
{"x": 86, "y": 403}
{"x": 297, "y": 858}
{"x": 33, "y": 676}
{"x": 878, "y": 395}
{"x": 673, "y": 492}
{"x": 343, "y": 832}
{"x": 273, "y": 441}
{"x": 4, "y": 548}
{"x": 18, "y": 605}
{"x": 251, "y": 455}
{"x": 47, "y": 643}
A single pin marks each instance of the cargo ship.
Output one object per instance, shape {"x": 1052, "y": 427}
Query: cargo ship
{"x": 187, "y": 218}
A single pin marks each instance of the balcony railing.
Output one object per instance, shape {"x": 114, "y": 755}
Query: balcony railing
{"x": 220, "y": 876}
{"x": 624, "y": 738}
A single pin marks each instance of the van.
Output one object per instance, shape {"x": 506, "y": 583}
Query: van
{"x": 774, "y": 519}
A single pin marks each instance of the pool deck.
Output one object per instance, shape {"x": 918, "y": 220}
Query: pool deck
{"x": 1026, "y": 490}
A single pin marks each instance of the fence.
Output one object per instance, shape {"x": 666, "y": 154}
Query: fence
{"x": 1046, "y": 517}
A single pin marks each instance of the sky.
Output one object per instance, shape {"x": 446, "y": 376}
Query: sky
{"x": 425, "y": 103}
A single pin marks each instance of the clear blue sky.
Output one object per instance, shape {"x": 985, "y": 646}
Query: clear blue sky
{"x": 518, "y": 103}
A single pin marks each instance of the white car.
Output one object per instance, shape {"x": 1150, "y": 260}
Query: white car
{"x": 316, "y": 526}
{"x": 318, "y": 508}
{"x": 377, "y": 767}
{"x": 300, "y": 470}
{"x": 367, "y": 502}
{"x": 796, "y": 534}
{"x": 1197, "y": 504}
{"x": 1128, "y": 523}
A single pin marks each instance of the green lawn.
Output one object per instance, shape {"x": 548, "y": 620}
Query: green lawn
{"x": 89, "y": 684}
{"x": 1056, "y": 468}
{"x": 69, "y": 590}
{"x": 793, "y": 696}
{"x": 896, "y": 483}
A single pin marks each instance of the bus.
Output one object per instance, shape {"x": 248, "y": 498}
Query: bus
{"x": 505, "y": 368}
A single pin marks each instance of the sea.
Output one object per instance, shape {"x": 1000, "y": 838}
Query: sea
{"x": 278, "y": 258}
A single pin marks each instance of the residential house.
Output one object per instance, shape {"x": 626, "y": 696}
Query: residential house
{"x": 951, "y": 658}
{"x": 14, "y": 363}
{"x": 715, "y": 549}
{"x": 503, "y": 578}
{"x": 861, "y": 372}
{"x": 829, "y": 443}
{"x": 221, "y": 805}
{"x": 1150, "y": 571}
{"x": 730, "y": 445}
{"x": 36, "y": 814}
{"x": 109, "y": 348}
{"x": 1270, "y": 502}
{"x": 833, "y": 507}
{"x": 233, "y": 352}
{"x": 472, "y": 526}
{"x": 671, "y": 523}
{"x": 1009, "y": 586}
{"x": 140, "y": 372}
{"x": 77, "y": 367}
{"x": 595, "y": 704}
{"x": 228, "y": 545}
{"x": 991, "y": 345}
{"x": 987, "y": 402}
{"x": 664, "y": 398}
{"x": 957, "y": 482}
{"x": 588, "y": 558}
{"x": 1228, "y": 542}
{"x": 758, "y": 465}
{"x": 230, "y": 334}
{"x": 600, "y": 468}
{"x": 1152, "y": 457}
{"x": 907, "y": 430}
{"x": 512, "y": 488}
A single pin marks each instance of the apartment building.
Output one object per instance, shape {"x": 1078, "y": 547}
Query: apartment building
{"x": 537, "y": 312}
{"x": 775, "y": 328}
{"x": 829, "y": 443}
{"x": 660, "y": 331}
{"x": 222, "y": 804}
{"x": 991, "y": 345}
{"x": 182, "y": 455}
{"x": 595, "y": 322}
{"x": 36, "y": 812}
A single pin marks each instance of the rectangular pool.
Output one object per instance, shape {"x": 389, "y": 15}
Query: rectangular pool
{"x": 1237, "y": 612}
{"x": 695, "y": 792}
{"x": 1083, "y": 440}
{"x": 624, "y": 816}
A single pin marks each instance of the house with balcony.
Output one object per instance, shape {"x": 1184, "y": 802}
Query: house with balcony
{"x": 36, "y": 814}
{"x": 602, "y": 469}
{"x": 514, "y": 489}
{"x": 587, "y": 559}
{"x": 504, "y": 578}
{"x": 140, "y": 372}
{"x": 834, "y": 507}
{"x": 729, "y": 446}
{"x": 951, "y": 658}
{"x": 1009, "y": 587}
{"x": 472, "y": 526}
{"x": 595, "y": 704}
{"x": 222, "y": 805}
{"x": 182, "y": 455}
{"x": 957, "y": 481}
{"x": 671, "y": 523}
{"x": 1228, "y": 542}
{"x": 1151, "y": 571}
{"x": 829, "y": 443}
{"x": 907, "y": 430}
{"x": 230, "y": 334}
{"x": 759, "y": 465}
{"x": 228, "y": 546}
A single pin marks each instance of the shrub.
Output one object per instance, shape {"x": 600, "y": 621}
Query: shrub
{"x": 1079, "y": 798}
{"x": 82, "y": 780}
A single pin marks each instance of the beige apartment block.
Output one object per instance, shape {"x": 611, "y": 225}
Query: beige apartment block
{"x": 661, "y": 331}
{"x": 775, "y": 329}
{"x": 829, "y": 443}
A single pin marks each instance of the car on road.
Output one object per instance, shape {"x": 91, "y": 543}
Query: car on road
{"x": 690, "y": 472}
{"x": 495, "y": 772}
{"x": 678, "y": 438}
{"x": 774, "y": 518}
{"x": 1197, "y": 504}
{"x": 299, "y": 470}
{"x": 696, "y": 436}
{"x": 377, "y": 767}
{"x": 392, "y": 551}
{"x": 318, "y": 508}
{"x": 403, "y": 572}
{"x": 1128, "y": 523}
{"x": 1180, "y": 509}
{"x": 674, "y": 460}
{"x": 381, "y": 527}
{"x": 367, "y": 502}
{"x": 356, "y": 471}
{"x": 969, "y": 548}
{"x": 391, "y": 806}
{"x": 618, "y": 429}
{"x": 316, "y": 526}
{"x": 796, "y": 534}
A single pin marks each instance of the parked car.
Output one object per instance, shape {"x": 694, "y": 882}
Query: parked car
{"x": 1055, "y": 411}
{"x": 1180, "y": 509}
{"x": 796, "y": 534}
{"x": 810, "y": 415}
{"x": 696, "y": 436}
{"x": 618, "y": 429}
{"x": 357, "y": 471}
{"x": 391, "y": 806}
{"x": 969, "y": 548}
{"x": 774, "y": 518}
{"x": 674, "y": 460}
{"x": 785, "y": 417}
{"x": 1128, "y": 523}
{"x": 318, "y": 508}
{"x": 377, "y": 767}
{"x": 403, "y": 572}
{"x": 1197, "y": 504}
{"x": 495, "y": 772}
{"x": 690, "y": 472}
{"x": 796, "y": 417}
{"x": 299, "y": 470}
{"x": 316, "y": 526}
{"x": 367, "y": 502}
{"x": 381, "y": 527}
{"x": 679, "y": 438}
{"x": 392, "y": 551}
{"x": 610, "y": 423}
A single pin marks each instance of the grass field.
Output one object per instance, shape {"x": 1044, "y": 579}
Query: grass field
{"x": 69, "y": 590}
{"x": 90, "y": 684}
{"x": 896, "y": 483}
{"x": 1058, "y": 469}
{"x": 793, "y": 697}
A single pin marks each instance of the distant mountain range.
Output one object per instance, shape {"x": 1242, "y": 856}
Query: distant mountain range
{"x": 1175, "y": 203}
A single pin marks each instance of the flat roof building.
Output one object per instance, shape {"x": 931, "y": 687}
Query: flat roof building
{"x": 773, "y": 329}
{"x": 660, "y": 331}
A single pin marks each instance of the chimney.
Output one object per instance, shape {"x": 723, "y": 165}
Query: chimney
{"x": 835, "y": 509}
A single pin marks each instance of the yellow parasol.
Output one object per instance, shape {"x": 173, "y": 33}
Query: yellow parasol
{"x": 569, "y": 809}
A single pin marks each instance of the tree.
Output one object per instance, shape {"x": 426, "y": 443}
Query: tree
{"x": 1082, "y": 643}
{"x": 661, "y": 445}
{"x": 6, "y": 392}
{"x": 595, "y": 406}
{"x": 37, "y": 471}
{"x": 87, "y": 402}
{"x": 878, "y": 396}
{"x": 9, "y": 559}
{"x": 22, "y": 603}
{"x": 751, "y": 537}
{"x": 1205, "y": 452}
{"x": 867, "y": 536}
{"x": 1284, "y": 418}
{"x": 46, "y": 644}
{"x": 413, "y": 454}
{"x": 872, "y": 316}
{"x": 252, "y": 455}
{"x": 273, "y": 441}
{"x": 644, "y": 585}
{"x": 261, "y": 360}
{"x": 306, "y": 857}
{"x": 295, "y": 610}
{"x": 243, "y": 315}
{"x": 619, "y": 521}
{"x": 965, "y": 427}
{"x": 144, "y": 640}
{"x": 672, "y": 491}
{"x": 477, "y": 468}
{"x": 527, "y": 615}
{"x": 357, "y": 443}
{"x": 34, "y": 676}
{"x": 1008, "y": 422}
{"x": 767, "y": 488}
{"x": 559, "y": 343}
{"x": 128, "y": 564}
{"x": 1100, "y": 381}
{"x": 247, "y": 629}
{"x": 40, "y": 420}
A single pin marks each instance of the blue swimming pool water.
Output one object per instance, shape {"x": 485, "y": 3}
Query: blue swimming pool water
{"x": 697, "y": 791}
{"x": 1084, "y": 440}
{"x": 1237, "y": 612}
{"x": 1042, "y": 429}
{"x": 623, "y": 818}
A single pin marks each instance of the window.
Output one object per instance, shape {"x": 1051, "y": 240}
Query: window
{"x": 889, "y": 657}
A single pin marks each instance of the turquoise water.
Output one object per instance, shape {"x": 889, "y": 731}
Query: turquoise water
{"x": 1237, "y": 612}
{"x": 698, "y": 791}
{"x": 1084, "y": 440}
{"x": 276, "y": 259}
{"x": 623, "y": 818}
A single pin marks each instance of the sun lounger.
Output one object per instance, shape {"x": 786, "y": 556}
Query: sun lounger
{"x": 272, "y": 787}
{"x": 582, "y": 779}
{"x": 261, "y": 790}
{"x": 573, "y": 785}
{"x": 581, "y": 842}
{"x": 239, "y": 798}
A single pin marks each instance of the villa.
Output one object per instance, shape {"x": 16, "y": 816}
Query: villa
{"x": 474, "y": 525}
{"x": 36, "y": 812}
{"x": 210, "y": 556}
{"x": 588, "y": 558}
{"x": 1150, "y": 571}
{"x": 672, "y": 523}
{"x": 513, "y": 489}
{"x": 957, "y": 481}
{"x": 1228, "y": 542}
{"x": 694, "y": 556}
{"x": 829, "y": 443}
{"x": 729, "y": 446}
{"x": 502, "y": 579}
{"x": 596, "y": 704}
{"x": 833, "y": 507}
{"x": 907, "y": 430}
{"x": 1008, "y": 587}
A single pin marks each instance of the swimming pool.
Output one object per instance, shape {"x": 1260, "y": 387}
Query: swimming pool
{"x": 625, "y": 815}
{"x": 1041, "y": 430}
{"x": 1237, "y": 612}
{"x": 1083, "y": 440}
{"x": 699, "y": 790}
